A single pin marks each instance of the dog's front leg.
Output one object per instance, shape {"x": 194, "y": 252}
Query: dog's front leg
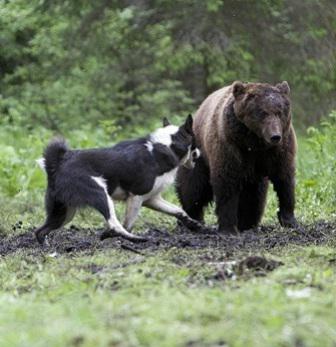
{"x": 157, "y": 203}
{"x": 133, "y": 206}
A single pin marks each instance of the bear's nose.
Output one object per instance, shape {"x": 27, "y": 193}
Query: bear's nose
{"x": 276, "y": 139}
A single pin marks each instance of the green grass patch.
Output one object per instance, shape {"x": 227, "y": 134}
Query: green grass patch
{"x": 115, "y": 298}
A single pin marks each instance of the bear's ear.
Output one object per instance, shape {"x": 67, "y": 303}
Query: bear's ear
{"x": 165, "y": 122}
{"x": 238, "y": 89}
{"x": 283, "y": 87}
{"x": 188, "y": 124}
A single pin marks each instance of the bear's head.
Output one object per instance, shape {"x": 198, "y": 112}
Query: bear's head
{"x": 264, "y": 109}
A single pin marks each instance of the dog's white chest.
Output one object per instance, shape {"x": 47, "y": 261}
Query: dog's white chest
{"x": 161, "y": 183}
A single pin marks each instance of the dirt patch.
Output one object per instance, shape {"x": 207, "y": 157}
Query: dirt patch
{"x": 249, "y": 266}
{"x": 257, "y": 263}
{"x": 73, "y": 240}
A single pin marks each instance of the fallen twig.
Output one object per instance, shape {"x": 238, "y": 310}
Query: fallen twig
{"x": 130, "y": 248}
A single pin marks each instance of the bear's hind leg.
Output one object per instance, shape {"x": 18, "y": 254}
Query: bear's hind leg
{"x": 252, "y": 202}
{"x": 193, "y": 189}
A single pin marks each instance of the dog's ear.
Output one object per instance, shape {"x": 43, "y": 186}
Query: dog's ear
{"x": 188, "y": 124}
{"x": 165, "y": 122}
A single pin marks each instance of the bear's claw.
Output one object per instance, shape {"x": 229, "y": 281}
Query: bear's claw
{"x": 287, "y": 221}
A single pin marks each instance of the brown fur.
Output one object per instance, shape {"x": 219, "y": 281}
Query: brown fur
{"x": 246, "y": 138}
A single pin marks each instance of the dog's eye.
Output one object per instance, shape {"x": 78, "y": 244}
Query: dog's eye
{"x": 194, "y": 154}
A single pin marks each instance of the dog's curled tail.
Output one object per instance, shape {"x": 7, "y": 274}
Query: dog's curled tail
{"x": 53, "y": 155}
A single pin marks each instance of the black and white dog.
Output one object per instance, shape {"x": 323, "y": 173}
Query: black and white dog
{"x": 136, "y": 171}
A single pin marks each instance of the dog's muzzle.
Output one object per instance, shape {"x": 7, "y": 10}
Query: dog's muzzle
{"x": 192, "y": 156}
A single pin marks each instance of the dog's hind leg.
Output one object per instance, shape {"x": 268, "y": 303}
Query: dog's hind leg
{"x": 57, "y": 215}
{"x": 133, "y": 206}
{"x": 157, "y": 203}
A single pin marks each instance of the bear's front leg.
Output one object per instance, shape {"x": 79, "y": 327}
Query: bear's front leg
{"x": 227, "y": 199}
{"x": 227, "y": 210}
{"x": 285, "y": 189}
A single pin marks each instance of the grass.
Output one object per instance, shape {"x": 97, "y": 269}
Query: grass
{"x": 117, "y": 298}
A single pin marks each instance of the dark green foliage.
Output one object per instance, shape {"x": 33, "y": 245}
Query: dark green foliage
{"x": 69, "y": 63}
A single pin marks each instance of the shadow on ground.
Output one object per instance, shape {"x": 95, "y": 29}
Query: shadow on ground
{"x": 73, "y": 240}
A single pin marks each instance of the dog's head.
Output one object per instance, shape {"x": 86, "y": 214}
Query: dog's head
{"x": 193, "y": 154}
{"x": 180, "y": 139}
{"x": 183, "y": 143}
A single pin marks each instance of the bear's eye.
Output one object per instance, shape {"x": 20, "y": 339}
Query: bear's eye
{"x": 261, "y": 114}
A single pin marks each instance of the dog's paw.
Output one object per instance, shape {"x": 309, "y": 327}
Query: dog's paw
{"x": 108, "y": 234}
{"x": 190, "y": 223}
{"x": 113, "y": 233}
{"x": 42, "y": 240}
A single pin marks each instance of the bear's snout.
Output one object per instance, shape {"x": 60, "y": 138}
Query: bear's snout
{"x": 272, "y": 131}
{"x": 276, "y": 139}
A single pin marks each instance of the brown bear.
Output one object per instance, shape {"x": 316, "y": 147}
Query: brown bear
{"x": 246, "y": 138}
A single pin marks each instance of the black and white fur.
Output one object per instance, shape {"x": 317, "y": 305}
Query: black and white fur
{"x": 136, "y": 171}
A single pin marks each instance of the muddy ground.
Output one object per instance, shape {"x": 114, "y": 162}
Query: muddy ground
{"x": 264, "y": 238}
